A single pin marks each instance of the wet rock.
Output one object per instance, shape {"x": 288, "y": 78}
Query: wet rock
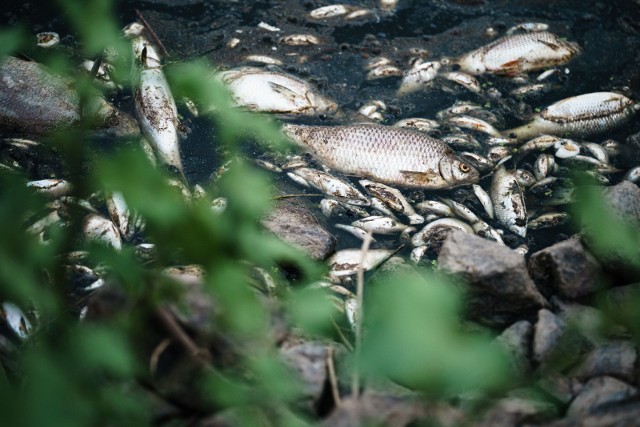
{"x": 560, "y": 387}
{"x": 512, "y": 411}
{"x": 296, "y": 225}
{"x": 617, "y": 359}
{"x": 623, "y": 200}
{"x": 616, "y": 416}
{"x": 500, "y": 287}
{"x": 599, "y": 392}
{"x": 516, "y": 341}
{"x": 549, "y": 329}
{"x": 33, "y": 101}
{"x": 309, "y": 362}
{"x": 565, "y": 268}
{"x": 392, "y": 411}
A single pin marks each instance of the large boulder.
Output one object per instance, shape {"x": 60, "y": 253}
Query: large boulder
{"x": 500, "y": 289}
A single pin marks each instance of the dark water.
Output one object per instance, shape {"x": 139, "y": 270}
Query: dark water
{"x": 608, "y": 32}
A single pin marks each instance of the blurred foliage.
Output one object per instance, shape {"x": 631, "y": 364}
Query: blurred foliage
{"x": 100, "y": 371}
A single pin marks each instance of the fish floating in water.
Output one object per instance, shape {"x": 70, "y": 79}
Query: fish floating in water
{"x": 387, "y": 154}
{"x": 583, "y": 115}
{"x": 519, "y": 53}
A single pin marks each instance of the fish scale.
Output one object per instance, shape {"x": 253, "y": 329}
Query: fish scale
{"x": 389, "y": 154}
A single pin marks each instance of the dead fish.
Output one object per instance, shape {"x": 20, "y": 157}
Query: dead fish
{"x": 472, "y": 123}
{"x": 436, "y": 232}
{"x": 508, "y": 201}
{"x": 529, "y": 90}
{"x": 479, "y": 162}
{"x": 16, "y": 320}
{"x": 346, "y": 262}
{"x": 332, "y": 207}
{"x": 155, "y": 106}
{"x": 457, "y": 109}
{"x": 34, "y": 101}
{"x": 300, "y": 40}
{"x": 497, "y": 153}
{"x": 273, "y": 92}
{"x": 584, "y": 115}
{"x": 519, "y": 53}
{"x": 52, "y": 188}
{"x": 354, "y": 231}
{"x": 486, "y": 231}
{"x": 418, "y": 253}
{"x": 465, "y": 80}
{"x": 47, "y": 39}
{"x": 418, "y": 123}
{"x": 418, "y": 77}
{"x": 263, "y": 59}
{"x": 373, "y": 110}
{"x": 379, "y": 225}
{"x": 548, "y": 220}
{"x": 435, "y": 207}
{"x": 597, "y": 151}
{"x": 128, "y": 223}
{"x": 387, "y": 154}
{"x": 545, "y": 163}
{"x": 485, "y": 199}
{"x": 332, "y": 186}
{"x": 461, "y": 141}
{"x": 384, "y": 71}
{"x": 566, "y": 148}
{"x": 461, "y": 211}
{"x": 529, "y": 27}
{"x": 102, "y": 230}
{"x": 392, "y": 198}
{"x": 633, "y": 174}
{"x": 524, "y": 178}
{"x": 331, "y": 11}
{"x": 539, "y": 143}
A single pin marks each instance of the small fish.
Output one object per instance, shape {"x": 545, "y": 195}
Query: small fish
{"x": 373, "y": 110}
{"x": 465, "y": 80}
{"x": 331, "y": 208}
{"x": 346, "y": 262}
{"x": 100, "y": 229}
{"x": 435, "y": 207}
{"x": 545, "y": 163}
{"x": 354, "y": 231}
{"x": 384, "y": 71}
{"x": 525, "y": 178}
{"x": 508, "y": 201}
{"x": 539, "y": 143}
{"x": 48, "y": 39}
{"x": 273, "y": 92}
{"x": 392, "y": 198}
{"x": 548, "y": 220}
{"x": 128, "y": 223}
{"x": 461, "y": 211}
{"x": 52, "y": 188}
{"x": 418, "y": 253}
{"x": 633, "y": 174}
{"x": 584, "y": 115}
{"x": 331, "y": 11}
{"x": 418, "y": 77}
{"x": 597, "y": 151}
{"x": 457, "y": 109}
{"x": 518, "y": 54}
{"x": 436, "y": 232}
{"x": 485, "y": 199}
{"x": 417, "y": 123}
{"x": 529, "y": 27}
{"x": 486, "y": 231}
{"x": 332, "y": 186}
{"x": 461, "y": 141}
{"x": 379, "y": 225}
{"x": 263, "y": 59}
{"x": 497, "y": 153}
{"x": 566, "y": 148}
{"x": 387, "y": 154}
{"x": 16, "y": 320}
{"x": 473, "y": 123}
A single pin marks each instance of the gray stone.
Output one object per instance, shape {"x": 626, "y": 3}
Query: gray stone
{"x": 513, "y": 411}
{"x": 565, "y": 268}
{"x": 516, "y": 341}
{"x": 296, "y": 225}
{"x": 599, "y": 392}
{"x": 623, "y": 415}
{"x": 561, "y": 387}
{"x": 309, "y": 361}
{"x": 617, "y": 359}
{"x": 623, "y": 200}
{"x": 549, "y": 330}
{"x": 500, "y": 289}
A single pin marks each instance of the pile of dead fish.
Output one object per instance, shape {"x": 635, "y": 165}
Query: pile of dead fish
{"x": 384, "y": 183}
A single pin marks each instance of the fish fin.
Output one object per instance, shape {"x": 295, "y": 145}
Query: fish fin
{"x": 511, "y": 68}
{"x": 285, "y": 91}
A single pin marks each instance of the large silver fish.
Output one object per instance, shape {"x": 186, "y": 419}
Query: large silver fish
{"x": 583, "y": 115}
{"x": 519, "y": 53}
{"x": 384, "y": 153}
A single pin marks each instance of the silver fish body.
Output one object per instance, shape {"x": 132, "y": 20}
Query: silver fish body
{"x": 434, "y": 233}
{"x": 273, "y": 92}
{"x": 519, "y": 53}
{"x": 392, "y": 198}
{"x": 508, "y": 201}
{"x": 582, "y": 115}
{"x": 387, "y": 154}
{"x": 347, "y": 262}
{"x": 155, "y": 105}
{"x": 379, "y": 225}
{"x": 485, "y": 200}
{"x": 332, "y": 186}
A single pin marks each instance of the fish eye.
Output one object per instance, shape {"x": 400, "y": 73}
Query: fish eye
{"x": 464, "y": 167}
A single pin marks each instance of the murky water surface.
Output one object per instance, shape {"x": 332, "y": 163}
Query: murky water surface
{"x": 607, "y": 31}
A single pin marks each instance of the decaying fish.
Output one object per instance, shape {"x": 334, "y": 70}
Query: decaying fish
{"x": 387, "y": 154}
{"x": 354, "y": 231}
{"x": 418, "y": 77}
{"x": 347, "y": 261}
{"x": 154, "y": 103}
{"x": 332, "y": 186}
{"x": 519, "y": 53}
{"x": 473, "y": 123}
{"x": 15, "y": 319}
{"x": 300, "y": 40}
{"x": 48, "y": 39}
{"x": 583, "y": 115}
{"x": 100, "y": 229}
{"x": 128, "y": 223}
{"x": 485, "y": 199}
{"x": 548, "y": 220}
{"x": 34, "y": 101}
{"x": 274, "y": 92}
{"x": 435, "y": 233}
{"x": 418, "y": 123}
{"x": 392, "y": 198}
{"x": 379, "y": 225}
{"x": 508, "y": 201}
{"x": 53, "y": 188}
